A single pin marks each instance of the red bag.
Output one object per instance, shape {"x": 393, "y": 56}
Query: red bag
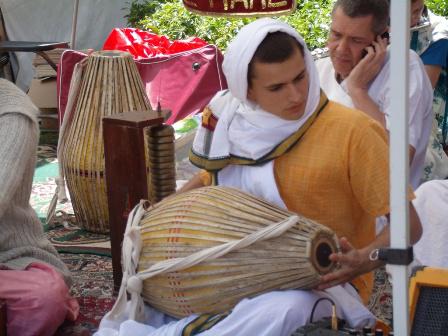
{"x": 64, "y": 75}
{"x": 183, "y": 82}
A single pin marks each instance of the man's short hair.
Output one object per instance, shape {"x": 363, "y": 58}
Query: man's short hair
{"x": 379, "y": 9}
{"x": 276, "y": 47}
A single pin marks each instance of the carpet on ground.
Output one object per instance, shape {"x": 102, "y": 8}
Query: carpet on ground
{"x": 92, "y": 287}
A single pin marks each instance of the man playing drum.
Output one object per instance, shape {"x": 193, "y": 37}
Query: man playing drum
{"x": 275, "y": 135}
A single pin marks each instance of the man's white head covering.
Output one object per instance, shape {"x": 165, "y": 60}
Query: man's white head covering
{"x": 244, "y": 131}
{"x": 242, "y": 49}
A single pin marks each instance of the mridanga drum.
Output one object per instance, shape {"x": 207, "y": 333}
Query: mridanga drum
{"x": 205, "y": 250}
{"x": 110, "y": 85}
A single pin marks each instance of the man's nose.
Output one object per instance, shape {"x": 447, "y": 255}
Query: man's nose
{"x": 342, "y": 45}
{"x": 295, "y": 93}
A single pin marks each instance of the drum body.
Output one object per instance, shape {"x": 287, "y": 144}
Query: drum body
{"x": 183, "y": 224}
{"x": 110, "y": 85}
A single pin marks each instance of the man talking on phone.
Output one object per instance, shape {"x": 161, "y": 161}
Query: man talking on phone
{"x": 357, "y": 73}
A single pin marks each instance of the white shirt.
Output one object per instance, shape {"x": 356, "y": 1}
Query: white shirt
{"x": 431, "y": 204}
{"x": 420, "y": 103}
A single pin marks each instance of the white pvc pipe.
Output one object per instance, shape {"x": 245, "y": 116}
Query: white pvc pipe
{"x": 74, "y": 23}
{"x": 399, "y": 162}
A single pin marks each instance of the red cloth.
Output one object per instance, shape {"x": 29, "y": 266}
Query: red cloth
{"x": 37, "y": 300}
{"x": 142, "y": 44}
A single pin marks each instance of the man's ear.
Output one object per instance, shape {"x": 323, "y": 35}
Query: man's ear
{"x": 250, "y": 93}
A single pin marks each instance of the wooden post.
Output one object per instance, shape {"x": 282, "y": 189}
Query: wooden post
{"x": 126, "y": 176}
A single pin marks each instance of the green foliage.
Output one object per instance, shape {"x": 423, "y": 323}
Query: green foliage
{"x": 439, "y": 7}
{"x": 169, "y": 17}
{"x": 138, "y": 10}
{"x": 310, "y": 19}
{"x": 215, "y": 30}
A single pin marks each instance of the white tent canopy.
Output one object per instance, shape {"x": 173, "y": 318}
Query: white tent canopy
{"x": 51, "y": 20}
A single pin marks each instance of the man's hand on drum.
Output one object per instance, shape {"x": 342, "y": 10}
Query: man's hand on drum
{"x": 352, "y": 263}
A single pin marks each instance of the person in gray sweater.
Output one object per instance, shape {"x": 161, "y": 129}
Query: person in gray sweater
{"x": 34, "y": 282}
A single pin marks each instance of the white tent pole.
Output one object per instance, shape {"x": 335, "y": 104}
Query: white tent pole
{"x": 74, "y": 23}
{"x": 399, "y": 161}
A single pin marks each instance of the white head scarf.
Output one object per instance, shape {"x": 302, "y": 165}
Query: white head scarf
{"x": 242, "y": 49}
{"x": 243, "y": 129}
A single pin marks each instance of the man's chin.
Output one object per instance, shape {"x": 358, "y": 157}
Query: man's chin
{"x": 342, "y": 68}
{"x": 341, "y": 72}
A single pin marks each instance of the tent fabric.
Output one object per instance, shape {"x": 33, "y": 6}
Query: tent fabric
{"x": 51, "y": 20}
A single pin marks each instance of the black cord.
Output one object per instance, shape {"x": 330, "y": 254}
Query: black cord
{"x": 315, "y": 305}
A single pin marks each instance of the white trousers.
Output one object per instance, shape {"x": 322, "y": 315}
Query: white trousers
{"x": 277, "y": 313}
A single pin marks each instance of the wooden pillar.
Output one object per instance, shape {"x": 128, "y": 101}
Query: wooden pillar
{"x": 126, "y": 177}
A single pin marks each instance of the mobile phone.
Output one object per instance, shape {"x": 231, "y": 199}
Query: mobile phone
{"x": 384, "y": 35}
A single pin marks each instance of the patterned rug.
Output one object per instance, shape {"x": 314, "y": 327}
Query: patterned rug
{"x": 70, "y": 238}
{"x": 44, "y": 185}
{"x": 380, "y": 303}
{"x": 63, "y": 233}
{"x": 93, "y": 288}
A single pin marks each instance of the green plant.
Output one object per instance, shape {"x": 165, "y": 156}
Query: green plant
{"x": 138, "y": 10}
{"x": 311, "y": 19}
{"x": 215, "y": 30}
{"x": 439, "y": 7}
{"x": 169, "y": 17}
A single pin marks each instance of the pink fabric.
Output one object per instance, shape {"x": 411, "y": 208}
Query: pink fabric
{"x": 64, "y": 75}
{"x": 37, "y": 300}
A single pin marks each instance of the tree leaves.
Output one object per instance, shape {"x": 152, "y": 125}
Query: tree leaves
{"x": 169, "y": 17}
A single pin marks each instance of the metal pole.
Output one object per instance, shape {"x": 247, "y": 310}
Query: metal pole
{"x": 74, "y": 23}
{"x": 399, "y": 158}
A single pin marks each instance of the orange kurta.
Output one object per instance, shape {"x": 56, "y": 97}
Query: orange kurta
{"x": 338, "y": 175}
